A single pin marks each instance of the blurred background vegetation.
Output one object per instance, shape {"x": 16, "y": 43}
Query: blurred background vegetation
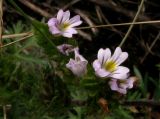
{"x": 34, "y": 83}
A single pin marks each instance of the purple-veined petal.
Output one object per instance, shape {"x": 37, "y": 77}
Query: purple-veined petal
{"x": 76, "y": 24}
{"x": 107, "y": 55}
{"x": 116, "y": 54}
{"x": 71, "y": 30}
{"x": 65, "y": 49}
{"x": 120, "y": 73}
{"x": 78, "y": 68}
{"x": 60, "y": 15}
{"x": 102, "y": 73}
{"x": 66, "y": 16}
{"x": 119, "y": 76}
{"x": 121, "y": 69}
{"x": 52, "y": 22}
{"x": 122, "y": 58}
{"x": 100, "y": 55}
{"x": 54, "y": 30}
{"x": 113, "y": 84}
{"x": 74, "y": 19}
{"x": 96, "y": 65}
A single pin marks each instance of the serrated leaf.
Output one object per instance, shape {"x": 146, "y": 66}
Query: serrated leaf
{"x": 44, "y": 38}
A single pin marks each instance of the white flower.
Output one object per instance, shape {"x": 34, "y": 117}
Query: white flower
{"x": 63, "y": 25}
{"x": 121, "y": 86}
{"x": 78, "y": 65}
{"x": 108, "y": 66}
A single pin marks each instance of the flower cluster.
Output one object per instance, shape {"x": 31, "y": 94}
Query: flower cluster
{"x": 106, "y": 66}
{"x": 78, "y": 65}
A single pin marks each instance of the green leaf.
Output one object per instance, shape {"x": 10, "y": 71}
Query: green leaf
{"x": 137, "y": 72}
{"x": 40, "y": 30}
{"x": 89, "y": 82}
{"x": 30, "y": 59}
{"x": 44, "y": 38}
{"x": 143, "y": 82}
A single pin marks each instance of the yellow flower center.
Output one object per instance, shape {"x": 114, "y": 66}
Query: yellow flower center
{"x": 64, "y": 26}
{"x": 110, "y": 66}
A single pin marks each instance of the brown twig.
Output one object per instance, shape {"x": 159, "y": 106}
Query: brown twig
{"x": 4, "y": 112}
{"x": 87, "y": 19}
{"x": 149, "y": 103}
{"x": 88, "y": 27}
{"x": 36, "y": 8}
{"x": 121, "y": 24}
{"x": 85, "y": 35}
{"x": 150, "y": 48}
{"x": 98, "y": 9}
{"x": 16, "y": 35}
{"x": 131, "y": 26}
{"x": 21, "y": 39}
{"x": 99, "y": 13}
{"x": 117, "y": 8}
{"x": 1, "y": 20}
{"x": 70, "y": 3}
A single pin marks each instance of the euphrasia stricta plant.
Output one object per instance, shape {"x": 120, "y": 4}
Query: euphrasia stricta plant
{"x": 73, "y": 78}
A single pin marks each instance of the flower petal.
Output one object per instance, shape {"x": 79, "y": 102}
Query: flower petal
{"x": 115, "y": 87}
{"x": 123, "y": 56}
{"x": 120, "y": 73}
{"x": 78, "y": 68}
{"x": 107, "y": 55}
{"x": 66, "y": 34}
{"x": 52, "y": 22}
{"x": 70, "y": 63}
{"x": 71, "y": 30}
{"x": 66, "y": 16}
{"x": 122, "y": 91}
{"x": 74, "y": 19}
{"x": 54, "y": 30}
{"x": 113, "y": 84}
{"x": 75, "y": 24}
{"x": 123, "y": 84}
{"x": 60, "y": 15}
{"x": 79, "y": 57}
{"x": 100, "y": 55}
{"x": 121, "y": 69}
{"x": 65, "y": 49}
{"x": 102, "y": 73}
{"x": 130, "y": 82}
{"x": 96, "y": 65}
{"x": 116, "y": 54}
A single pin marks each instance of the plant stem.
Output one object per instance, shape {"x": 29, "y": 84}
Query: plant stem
{"x": 131, "y": 26}
{"x": 8, "y": 44}
{"x": 1, "y": 20}
{"x": 120, "y": 24}
{"x": 16, "y": 35}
